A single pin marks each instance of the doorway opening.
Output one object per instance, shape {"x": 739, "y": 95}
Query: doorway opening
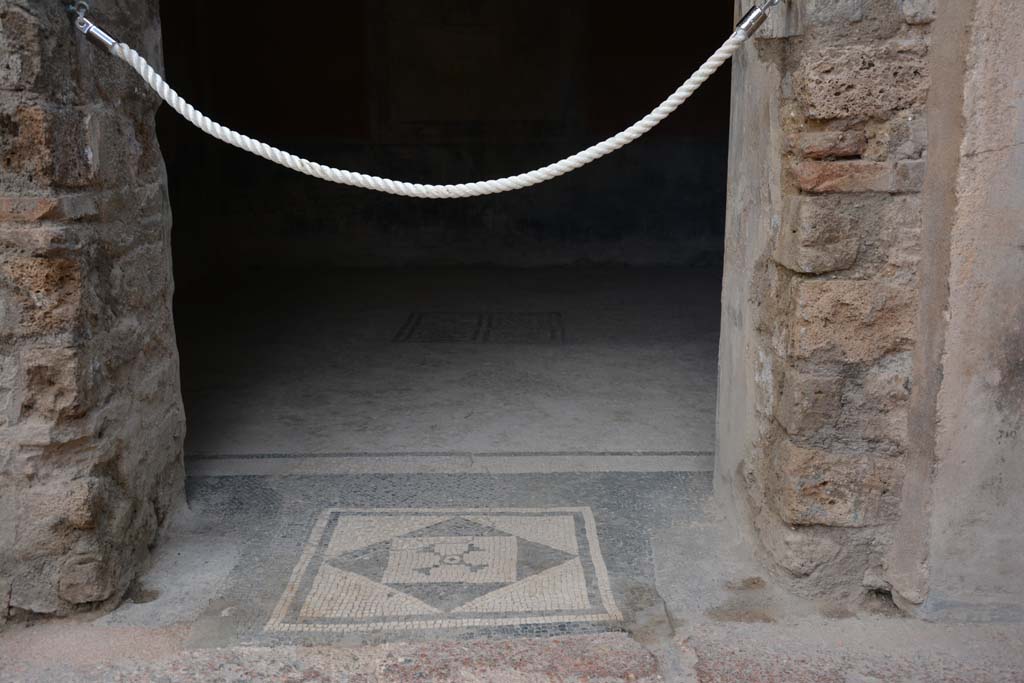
{"x": 578, "y": 316}
{"x": 415, "y": 416}
{"x": 472, "y": 413}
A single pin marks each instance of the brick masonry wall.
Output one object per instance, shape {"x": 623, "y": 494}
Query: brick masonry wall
{"x": 834, "y": 294}
{"x": 91, "y": 423}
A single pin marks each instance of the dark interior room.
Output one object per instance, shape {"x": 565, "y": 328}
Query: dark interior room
{"x": 580, "y": 315}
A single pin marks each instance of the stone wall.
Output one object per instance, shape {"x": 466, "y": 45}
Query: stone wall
{"x": 821, "y": 291}
{"x": 91, "y": 423}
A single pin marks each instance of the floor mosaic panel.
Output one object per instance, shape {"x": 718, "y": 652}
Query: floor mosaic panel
{"x": 483, "y": 328}
{"x": 429, "y": 568}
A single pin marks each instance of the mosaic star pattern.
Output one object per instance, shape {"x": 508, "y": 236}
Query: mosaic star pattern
{"x": 446, "y": 568}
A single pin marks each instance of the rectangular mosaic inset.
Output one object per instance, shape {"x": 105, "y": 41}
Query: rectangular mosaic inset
{"x": 431, "y": 568}
{"x": 483, "y": 328}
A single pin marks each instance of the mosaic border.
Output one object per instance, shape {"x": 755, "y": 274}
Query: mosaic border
{"x": 611, "y": 613}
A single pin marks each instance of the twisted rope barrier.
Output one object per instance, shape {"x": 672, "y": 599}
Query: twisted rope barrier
{"x": 750, "y": 23}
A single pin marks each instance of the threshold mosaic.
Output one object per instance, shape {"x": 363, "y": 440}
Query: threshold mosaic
{"x": 432, "y": 568}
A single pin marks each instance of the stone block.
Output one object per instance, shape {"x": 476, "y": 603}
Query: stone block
{"x": 807, "y": 402}
{"x": 916, "y": 140}
{"x": 816, "y": 487}
{"x": 50, "y": 146}
{"x": 874, "y": 417}
{"x": 871, "y": 429}
{"x": 52, "y": 518}
{"x": 861, "y": 82}
{"x": 891, "y": 238}
{"x": 140, "y": 276}
{"x": 843, "y": 176}
{"x": 850, "y": 321}
{"x": 39, "y": 240}
{"x": 28, "y": 209}
{"x": 45, "y": 294}
{"x": 54, "y": 386}
{"x": 799, "y": 551}
{"x": 21, "y": 48}
{"x": 834, "y": 11}
{"x": 903, "y": 136}
{"x": 888, "y": 382}
{"x": 816, "y": 237}
{"x": 86, "y": 578}
{"x": 41, "y": 528}
{"x": 873, "y": 236}
{"x": 918, "y": 11}
{"x": 909, "y": 176}
{"x": 838, "y": 144}
{"x": 82, "y": 503}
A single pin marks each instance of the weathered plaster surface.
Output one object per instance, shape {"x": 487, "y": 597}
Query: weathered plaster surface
{"x": 906, "y": 561}
{"x": 91, "y": 423}
{"x": 975, "y": 556}
{"x": 754, "y": 195}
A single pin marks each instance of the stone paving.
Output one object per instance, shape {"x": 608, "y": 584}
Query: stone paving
{"x": 469, "y": 577}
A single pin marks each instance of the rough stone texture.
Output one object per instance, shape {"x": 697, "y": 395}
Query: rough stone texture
{"x": 830, "y": 489}
{"x": 918, "y": 11}
{"x": 821, "y": 287}
{"x": 829, "y": 144}
{"x": 91, "y": 423}
{"x": 817, "y": 237}
{"x": 844, "y": 176}
{"x": 848, "y": 321}
{"x": 857, "y": 82}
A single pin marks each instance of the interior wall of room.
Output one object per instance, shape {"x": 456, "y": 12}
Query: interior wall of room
{"x": 445, "y": 91}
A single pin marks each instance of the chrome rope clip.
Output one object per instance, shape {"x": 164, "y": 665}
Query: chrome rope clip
{"x": 91, "y": 30}
{"x": 757, "y": 15}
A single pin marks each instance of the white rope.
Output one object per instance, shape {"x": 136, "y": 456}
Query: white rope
{"x": 516, "y": 182}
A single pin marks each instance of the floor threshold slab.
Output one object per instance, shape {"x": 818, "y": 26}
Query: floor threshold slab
{"x": 446, "y": 463}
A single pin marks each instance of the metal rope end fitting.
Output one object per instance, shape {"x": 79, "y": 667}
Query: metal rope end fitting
{"x": 757, "y": 15}
{"x": 95, "y": 33}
